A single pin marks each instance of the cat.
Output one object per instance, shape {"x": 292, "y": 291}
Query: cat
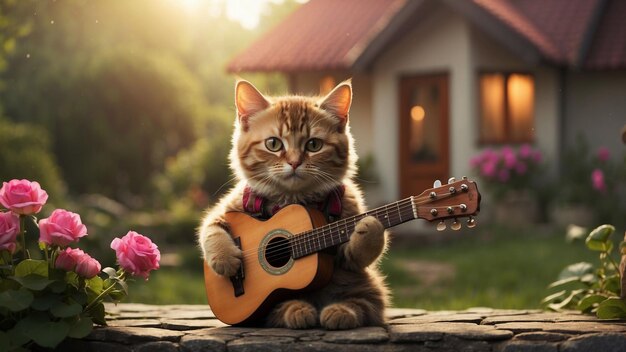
{"x": 298, "y": 150}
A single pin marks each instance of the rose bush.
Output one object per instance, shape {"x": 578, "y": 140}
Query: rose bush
{"x": 43, "y": 301}
{"x": 507, "y": 169}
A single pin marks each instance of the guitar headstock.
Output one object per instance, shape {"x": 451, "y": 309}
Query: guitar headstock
{"x": 457, "y": 199}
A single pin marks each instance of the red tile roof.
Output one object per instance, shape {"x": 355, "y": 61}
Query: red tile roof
{"x": 321, "y": 34}
{"x": 330, "y": 34}
{"x": 608, "y": 48}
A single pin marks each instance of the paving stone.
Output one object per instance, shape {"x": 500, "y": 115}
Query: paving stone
{"x": 582, "y": 327}
{"x": 260, "y": 344}
{"x": 394, "y": 313}
{"x": 154, "y": 323}
{"x": 190, "y": 328}
{"x": 131, "y": 335}
{"x": 192, "y": 343}
{"x": 190, "y": 324}
{"x": 157, "y": 346}
{"x": 605, "y": 342}
{"x": 365, "y": 335}
{"x": 538, "y": 317}
{"x": 436, "y": 331}
{"x": 542, "y": 336}
{"x": 527, "y": 346}
{"x": 278, "y": 332}
{"x": 435, "y": 318}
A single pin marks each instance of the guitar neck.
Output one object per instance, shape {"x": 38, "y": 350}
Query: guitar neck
{"x": 339, "y": 232}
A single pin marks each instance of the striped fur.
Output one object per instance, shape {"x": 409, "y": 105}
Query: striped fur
{"x": 357, "y": 294}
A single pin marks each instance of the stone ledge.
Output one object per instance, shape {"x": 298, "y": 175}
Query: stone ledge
{"x": 140, "y": 327}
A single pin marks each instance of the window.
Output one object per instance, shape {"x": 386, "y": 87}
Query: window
{"x": 507, "y": 104}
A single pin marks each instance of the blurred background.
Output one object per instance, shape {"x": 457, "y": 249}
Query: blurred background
{"x": 123, "y": 111}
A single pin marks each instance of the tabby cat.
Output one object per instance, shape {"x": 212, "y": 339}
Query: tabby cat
{"x": 296, "y": 149}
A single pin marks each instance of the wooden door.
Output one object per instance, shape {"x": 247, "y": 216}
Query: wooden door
{"x": 424, "y": 132}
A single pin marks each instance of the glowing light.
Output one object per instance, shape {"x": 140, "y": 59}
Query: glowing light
{"x": 418, "y": 113}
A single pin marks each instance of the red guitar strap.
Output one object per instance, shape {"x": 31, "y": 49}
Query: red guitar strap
{"x": 259, "y": 207}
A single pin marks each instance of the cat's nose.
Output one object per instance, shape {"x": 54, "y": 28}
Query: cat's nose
{"x": 295, "y": 164}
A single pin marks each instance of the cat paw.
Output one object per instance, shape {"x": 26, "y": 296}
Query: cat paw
{"x": 224, "y": 257}
{"x": 369, "y": 226}
{"x": 300, "y": 315}
{"x": 339, "y": 317}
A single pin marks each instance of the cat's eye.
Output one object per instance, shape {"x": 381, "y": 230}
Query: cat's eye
{"x": 314, "y": 144}
{"x": 273, "y": 144}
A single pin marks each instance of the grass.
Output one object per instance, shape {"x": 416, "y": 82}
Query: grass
{"x": 491, "y": 267}
{"x": 509, "y": 269}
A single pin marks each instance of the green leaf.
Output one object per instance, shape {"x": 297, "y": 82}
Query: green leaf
{"x": 612, "y": 308}
{"x": 5, "y": 341}
{"x": 124, "y": 286}
{"x": 117, "y": 295}
{"x": 97, "y": 314}
{"x": 31, "y": 266}
{"x": 569, "y": 302}
{"x": 72, "y": 278}
{"x": 46, "y": 301}
{"x": 44, "y": 332}
{"x": 33, "y": 281}
{"x": 613, "y": 284}
{"x": 81, "y": 327}
{"x": 64, "y": 310}
{"x": 95, "y": 284}
{"x": 110, "y": 271}
{"x": 58, "y": 286}
{"x": 16, "y": 300}
{"x": 576, "y": 270}
{"x": 554, "y": 296}
{"x": 598, "y": 239}
{"x": 565, "y": 282}
{"x": 589, "y": 302}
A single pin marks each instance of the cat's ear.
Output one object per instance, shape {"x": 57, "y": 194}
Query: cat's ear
{"x": 248, "y": 100}
{"x": 338, "y": 101}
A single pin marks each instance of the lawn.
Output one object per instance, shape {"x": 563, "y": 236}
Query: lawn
{"x": 491, "y": 267}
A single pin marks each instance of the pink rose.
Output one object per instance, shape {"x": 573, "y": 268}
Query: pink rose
{"x": 87, "y": 267}
{"x": 603, "y": 154}
{"x": 61, "y": 228}
{"x": 509, "y": 158}
{"x": 22, "y": 196}
{"x": 488, "y": 169}
{"x": 136, "y": 254}
{"x": 525, "y": 151}
{"x": 9, "y": 228}
{"x": 597, "y": 180}
{"x": 68, "y": 258}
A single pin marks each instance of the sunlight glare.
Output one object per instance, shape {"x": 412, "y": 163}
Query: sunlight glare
{"x": 246, "y": 12}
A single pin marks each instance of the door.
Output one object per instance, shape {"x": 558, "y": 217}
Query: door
{"x": 424, "y": 132}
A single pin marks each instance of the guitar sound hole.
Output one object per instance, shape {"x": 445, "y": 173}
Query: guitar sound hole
{"x": 278, "y": 252}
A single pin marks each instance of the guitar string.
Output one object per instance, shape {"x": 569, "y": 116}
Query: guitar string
{"x": 401, "y": 209}
{"x": 286, "y": 255}
{"x": 305, "y": 238}
{"x": 307, "y": 243}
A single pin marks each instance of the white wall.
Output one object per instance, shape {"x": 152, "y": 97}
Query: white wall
{"x": 440, "y": 43}
{"x": 596, "y": 108}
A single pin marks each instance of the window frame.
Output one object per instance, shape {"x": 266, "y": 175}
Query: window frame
{"x": 508, "y": 139}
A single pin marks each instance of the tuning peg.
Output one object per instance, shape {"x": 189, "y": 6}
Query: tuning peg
{"x": 456, "y": 225}
{"x": 441, "y": 226}
{"x": 436, "y": 184}
{"x": 451, "y": 180}
{"x": 471, "y": 222}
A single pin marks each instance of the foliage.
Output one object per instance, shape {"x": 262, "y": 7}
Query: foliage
{"x": 589, "y": 289}
{"x": 594, "y": 180}
{"x": 44, "y": 301}
{"x": 508, "y": 169}
{"x": 26, "y": 154}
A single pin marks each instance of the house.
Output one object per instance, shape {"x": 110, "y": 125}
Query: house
{"x": 436, "y": 81}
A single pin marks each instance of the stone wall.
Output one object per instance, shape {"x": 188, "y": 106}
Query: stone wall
{"x": 138, "y": 327}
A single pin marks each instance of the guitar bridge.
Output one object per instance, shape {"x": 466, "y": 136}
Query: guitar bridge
{"x": 237, "y": 279}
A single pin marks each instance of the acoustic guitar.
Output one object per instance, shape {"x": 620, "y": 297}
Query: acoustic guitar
{"x": 285, "y": 254}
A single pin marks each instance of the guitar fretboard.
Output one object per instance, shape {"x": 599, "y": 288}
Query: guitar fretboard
{"x": 339, "y": 231}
